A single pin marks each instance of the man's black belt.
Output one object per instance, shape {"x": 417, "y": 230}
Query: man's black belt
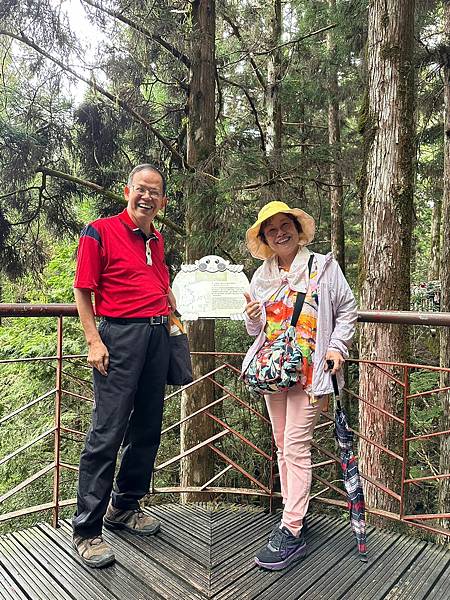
{"x": 159, "y": 320}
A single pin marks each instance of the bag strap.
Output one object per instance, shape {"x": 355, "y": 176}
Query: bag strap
{"x": 301, "y": 296}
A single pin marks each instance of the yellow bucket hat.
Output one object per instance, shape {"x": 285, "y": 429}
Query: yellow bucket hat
{"x": 257, "y": 247}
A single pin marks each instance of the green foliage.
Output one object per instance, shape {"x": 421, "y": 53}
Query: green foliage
{"x": 426, "y": 414}
{"x": 29, "y": 201}
{"x": 421, "y": 381}
{"x": 24, "y": 382}
{"x": 59, "y": 274}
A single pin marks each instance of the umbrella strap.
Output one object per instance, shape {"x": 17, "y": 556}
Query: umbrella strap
{"x": 336, "y": 390}
{"x": 335, "y": 384}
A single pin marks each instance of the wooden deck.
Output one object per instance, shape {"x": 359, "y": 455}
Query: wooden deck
{"x": 209, "y": 554}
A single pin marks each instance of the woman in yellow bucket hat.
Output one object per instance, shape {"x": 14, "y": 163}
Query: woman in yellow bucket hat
{"x": 323, "y": 332}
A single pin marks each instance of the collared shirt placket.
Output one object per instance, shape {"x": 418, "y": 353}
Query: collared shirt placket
{"x": 148, "y": 249}
{"x": 147, "y": 240}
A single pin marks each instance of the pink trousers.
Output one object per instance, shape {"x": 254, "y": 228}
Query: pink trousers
{"x": 293, "y": 419}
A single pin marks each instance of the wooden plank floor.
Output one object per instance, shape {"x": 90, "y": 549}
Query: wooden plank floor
{"x": 201, "y": 554}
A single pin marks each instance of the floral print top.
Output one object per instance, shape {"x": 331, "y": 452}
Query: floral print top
{"x": 279, "y": 309}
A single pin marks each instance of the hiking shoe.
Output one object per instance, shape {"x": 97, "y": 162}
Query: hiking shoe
{"x": 93, "y": 551}
{"x": 134, "y": 521}
{"x": 282, "y": 550}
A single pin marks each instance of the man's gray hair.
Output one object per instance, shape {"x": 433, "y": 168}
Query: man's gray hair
{"x": 148, "y": 167}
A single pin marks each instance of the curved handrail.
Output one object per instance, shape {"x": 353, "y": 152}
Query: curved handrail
{"x": 399, "y": 317}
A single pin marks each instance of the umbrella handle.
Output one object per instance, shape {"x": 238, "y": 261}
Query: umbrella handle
{"x": 330, "y": 364}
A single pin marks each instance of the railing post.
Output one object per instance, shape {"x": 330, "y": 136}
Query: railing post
{"x": 272, "y": 477}
{"x": 405, "y": 443}
{"x": 58, "y": 394}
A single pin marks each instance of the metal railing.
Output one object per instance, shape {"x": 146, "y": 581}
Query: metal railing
{"x": 225, "y": 379}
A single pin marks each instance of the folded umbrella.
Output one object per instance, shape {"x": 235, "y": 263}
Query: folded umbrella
{"x": 351, "y": 477}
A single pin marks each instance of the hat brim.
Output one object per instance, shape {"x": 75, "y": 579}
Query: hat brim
{"x": 258, "y": 249}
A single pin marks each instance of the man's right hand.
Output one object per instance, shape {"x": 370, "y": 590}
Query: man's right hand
{"x": 253, "y": 308}
{"x": 98, "y": 357}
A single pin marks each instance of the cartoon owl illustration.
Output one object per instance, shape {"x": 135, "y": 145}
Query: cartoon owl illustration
{"x": 212, "y": 264}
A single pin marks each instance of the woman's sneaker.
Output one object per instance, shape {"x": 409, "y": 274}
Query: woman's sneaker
{"x": 282, "y": 550}
{"x": 277, "y": 525}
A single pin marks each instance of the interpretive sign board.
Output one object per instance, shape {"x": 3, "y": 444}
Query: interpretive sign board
{"x": 210, "y": 288}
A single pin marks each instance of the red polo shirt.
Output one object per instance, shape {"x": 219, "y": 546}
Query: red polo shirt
{"x": 125, "y": 270}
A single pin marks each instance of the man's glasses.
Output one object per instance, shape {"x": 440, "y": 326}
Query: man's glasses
{"x": 141, "y": 190}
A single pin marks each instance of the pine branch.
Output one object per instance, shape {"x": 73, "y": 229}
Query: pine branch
{"x": 281, "y": 177}
{"x": 21, "y": 191}
{"x": 255, "y": 67}
{"x": 227, "y": 254}
{"x": 252, "y": 107}
{"x": 106, "y": 193}
{"x": 296, "y": 41}
{"x": 306, "y": 125}
{"x": 115, "y": 99}
{"x": 138, "y": 27}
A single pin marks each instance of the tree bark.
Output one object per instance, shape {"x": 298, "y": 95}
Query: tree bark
{"x": 197, "y": 468}
{"x": 387, "y": 226}
{"x": 435, "y": 250}
{"x": 273, "y": 107}
{"x": 444, "y": 454}
{"x": 334, "y": 140}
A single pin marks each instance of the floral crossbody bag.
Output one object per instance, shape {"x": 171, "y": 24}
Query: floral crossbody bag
{"x": 274, "y": 368}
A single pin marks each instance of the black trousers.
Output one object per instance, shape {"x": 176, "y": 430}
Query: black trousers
{"x": 128, "y": 409}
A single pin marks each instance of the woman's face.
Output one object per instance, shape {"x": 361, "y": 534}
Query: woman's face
{"x": 281, "y": 235}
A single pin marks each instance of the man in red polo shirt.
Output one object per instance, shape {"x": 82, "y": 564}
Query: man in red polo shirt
{"x": 121, "y": 262}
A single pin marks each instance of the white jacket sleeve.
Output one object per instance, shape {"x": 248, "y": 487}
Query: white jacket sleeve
{"x": 344, "y": 312}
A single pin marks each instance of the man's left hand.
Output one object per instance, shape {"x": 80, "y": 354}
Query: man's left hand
{"x": 172, "y": 300}
{"x": 337, "y": 359}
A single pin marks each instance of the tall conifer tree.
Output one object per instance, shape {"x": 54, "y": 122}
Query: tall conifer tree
{"x": 197, "y": 469}
{"x": 444, "y": 462}
{"x": 387, "y": 226}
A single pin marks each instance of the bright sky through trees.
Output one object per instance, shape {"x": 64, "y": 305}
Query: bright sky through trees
{"x": 89, "y": 36}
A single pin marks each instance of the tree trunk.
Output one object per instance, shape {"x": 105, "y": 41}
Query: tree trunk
{"x": 197, "y": 469}
{"x": 435, "y": 250}
{"x": 444, "y": 454}
{"x": 337, "y": 232}
{"x": 273, "y": 107}
{"x": 387, "y": 225}
{"x": 301, "y": 194}
{"x": 334, "y": 140}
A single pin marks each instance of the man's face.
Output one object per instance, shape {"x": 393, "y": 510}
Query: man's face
{"x": 145, "y": 196}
